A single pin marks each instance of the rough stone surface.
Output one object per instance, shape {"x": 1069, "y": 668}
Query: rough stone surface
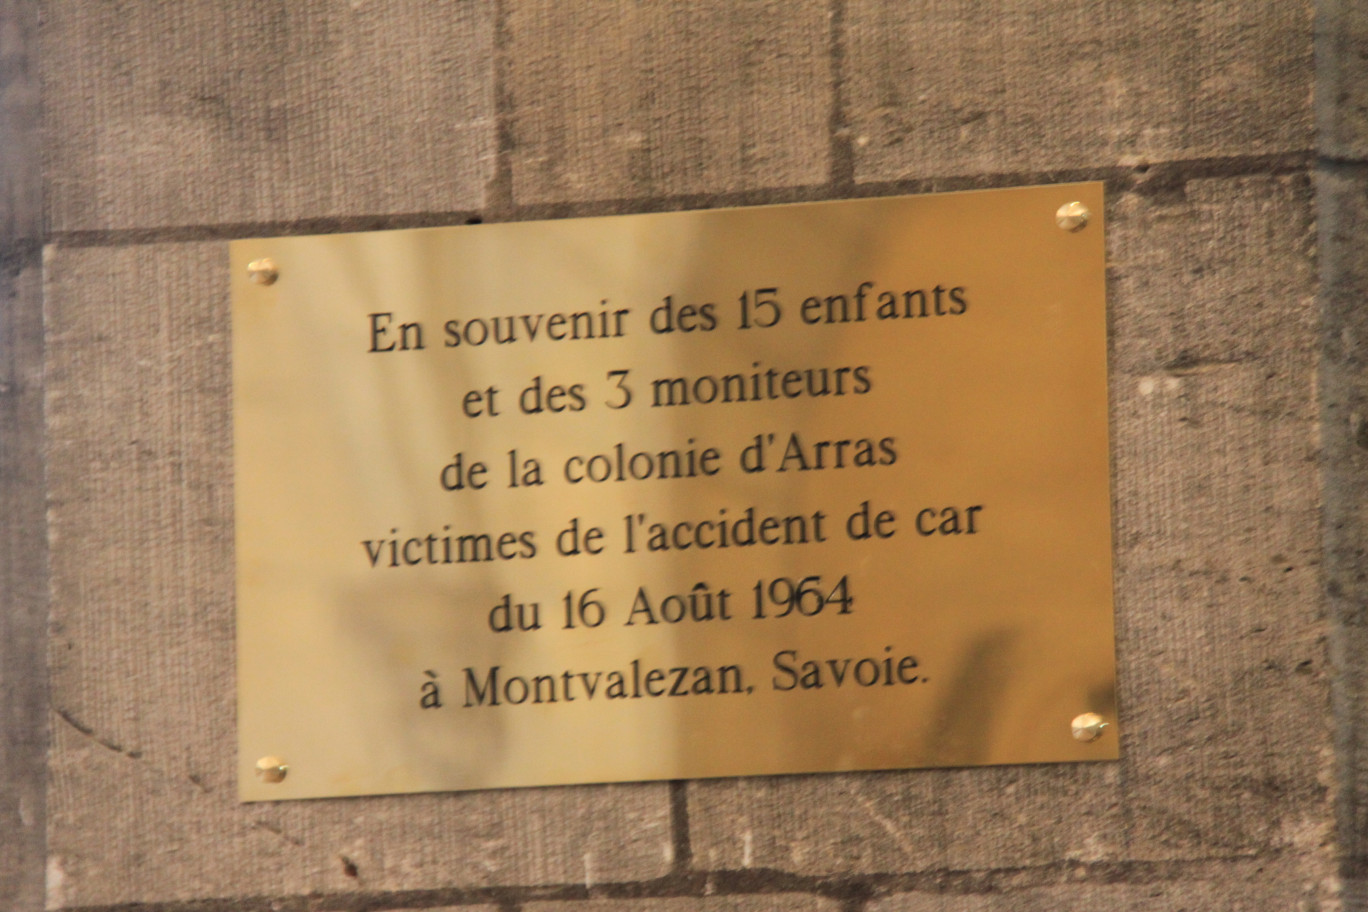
{"x": 899, "y": 822}
{"x": 229, "y": 112}
{"x": 23, "y": 537}
{"x": 1343, "y": 201}
{"x": 1222, "y": 665}
{"x": 1236, "y": 415}
{"x": 21, "y": 182}
{"x": 1220, "y": 628}
{"x": 971, "y": 87}
{"x": 1233, "y": 887}
{"x": 143, "y": 803}
{"x": 1342, "y": 79}
{"x": 23, "y": 587}
{"x": 628, "y": 100}
{"x": 771, "y": 902}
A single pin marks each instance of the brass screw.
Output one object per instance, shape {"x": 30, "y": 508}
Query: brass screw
{"x": 272, "y": 769}
{"x": 1088, "y": 727}
{"x": 1073, "y": 216}
{"x": 263, "y": 271}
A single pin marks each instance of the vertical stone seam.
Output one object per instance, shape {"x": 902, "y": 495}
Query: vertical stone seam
{"x": 1339, "y": 383}
{"x": 842, "y": 151}
{"x": 1332, "y": 388}
{"x": 499, "y": 202}
{"x": 679, "y": 826}
{"x": 1342, "y": 532}
{"x": 24, "y": 578}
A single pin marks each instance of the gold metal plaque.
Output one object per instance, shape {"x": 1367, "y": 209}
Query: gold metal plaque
{"x": 773, "y": 490}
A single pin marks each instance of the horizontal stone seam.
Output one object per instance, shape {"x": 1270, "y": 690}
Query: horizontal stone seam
{"x": 1340, "y": 161}
{"x": 841, "y": 149}
{"x": 853, "y": 892}
{"x": 1154, "y": 178}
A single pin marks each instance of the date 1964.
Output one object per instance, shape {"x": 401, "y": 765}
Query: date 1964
{"x": 775, "y": 598}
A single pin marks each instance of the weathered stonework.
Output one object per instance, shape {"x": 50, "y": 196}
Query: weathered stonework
{"x": 1236, "y": 281}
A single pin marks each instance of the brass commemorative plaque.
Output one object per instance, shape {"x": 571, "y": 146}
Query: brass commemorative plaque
{"x": 739, "y": 492}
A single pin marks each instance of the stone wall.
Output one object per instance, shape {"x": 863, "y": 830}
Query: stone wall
{"x": 1342, "y": 204}
{"x": 1236, "y": 276}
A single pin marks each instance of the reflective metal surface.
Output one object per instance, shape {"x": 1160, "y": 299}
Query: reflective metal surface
{"x": 754, "y": 491}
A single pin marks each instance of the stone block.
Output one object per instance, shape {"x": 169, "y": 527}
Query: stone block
{"x": 1222, "y": 667}
{"x": 23, "y": 586}
{"x": 1219, "y": 627}
{"x": 237, "y": 113}
{"x": 626, "y": 100}
{"x": 1342, "y": 200}
{"x": 21, "y": 122}
{"x": 906, "y": 821}
{"x": 143, "y": 797}
{"x": 1246, "y": 886}
{"x": 759, "y": 902}
{"x": 975, "y": 88}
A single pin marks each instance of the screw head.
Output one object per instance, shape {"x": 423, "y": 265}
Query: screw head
{"x": 263, "y": 271}
{"x": 1088, "y": 727}
{"x": 272, "y": 769}
{"x": 1073, "y": 216}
